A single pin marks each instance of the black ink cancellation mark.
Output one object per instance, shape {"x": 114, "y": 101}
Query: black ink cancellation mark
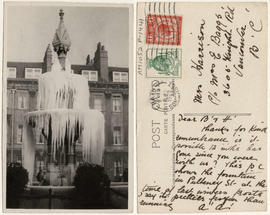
{"x": 164, "y": 96}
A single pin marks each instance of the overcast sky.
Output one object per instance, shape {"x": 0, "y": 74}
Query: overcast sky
{"x": 31, "y": 28}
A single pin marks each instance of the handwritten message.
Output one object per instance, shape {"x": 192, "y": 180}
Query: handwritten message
{"x": 216, "y": 166}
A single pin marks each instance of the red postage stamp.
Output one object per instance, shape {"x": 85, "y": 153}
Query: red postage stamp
{"x": 163, "y": 30}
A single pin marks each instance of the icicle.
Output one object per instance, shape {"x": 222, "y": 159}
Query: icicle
{"x": 62, "y": 103}
{"x": 90, "y": 121}
{"x": 28, "y": 149}
{"x": 62, "y": 90}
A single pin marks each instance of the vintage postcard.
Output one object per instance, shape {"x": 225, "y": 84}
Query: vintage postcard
{"x": 67, "y": 107}
{"x": 201, "y": 107}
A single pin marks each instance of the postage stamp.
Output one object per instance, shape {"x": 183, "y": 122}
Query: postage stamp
{"x": 164, "y": 95}
{"x": 163, "y": 63}
{"x": 163, "y": 30}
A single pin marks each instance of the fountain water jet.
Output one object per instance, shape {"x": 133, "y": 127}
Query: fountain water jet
{"x": 62, "y": 116}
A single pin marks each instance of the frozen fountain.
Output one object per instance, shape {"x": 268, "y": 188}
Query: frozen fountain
{"x": 62, "y": 117}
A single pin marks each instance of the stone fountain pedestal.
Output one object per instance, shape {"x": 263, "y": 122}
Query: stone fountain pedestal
{"x": 53, "y": 175}
{"x": 61, "y": 174}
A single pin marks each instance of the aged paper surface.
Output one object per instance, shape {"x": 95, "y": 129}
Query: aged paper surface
{"x": 36, "y": 29}
{"x": 201, "y": 107}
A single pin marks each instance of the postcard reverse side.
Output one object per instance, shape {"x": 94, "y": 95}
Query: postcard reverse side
{"x": 202, "y": 107}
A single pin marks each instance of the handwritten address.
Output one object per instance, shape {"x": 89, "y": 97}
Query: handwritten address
{"x": 227, "y": 51}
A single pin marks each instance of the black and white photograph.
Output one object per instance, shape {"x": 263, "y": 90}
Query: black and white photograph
{"x": 67, "y": 75}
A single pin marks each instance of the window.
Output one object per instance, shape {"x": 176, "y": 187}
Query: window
{"x": 32, "y": 73}
{"x": 37, "y": 72}
{"x": 28, "y": 73}
{"x": 85, "y": 73}
{"x": 120, "y": 77}
{"x": 117, "y": 135}
{"x": 116, "y": 77}
{"x": 124, "y": 77}
{"x": 90, "y": 75}
{"x": 93, "y": 76}
{"x": 11, "y": 72}
{"x": 10, "y": 94}
{"x": 118, "y": 168}
{"x": 22, "y": 104}
{"x": 117, "y": 103}
{"x": 98, "y": 104}
{"x": 20, "y": 134}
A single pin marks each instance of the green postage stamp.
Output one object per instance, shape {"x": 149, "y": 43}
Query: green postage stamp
{"x": 163, "y": 63}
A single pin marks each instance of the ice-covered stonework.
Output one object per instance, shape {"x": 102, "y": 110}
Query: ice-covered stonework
{"x": 63, "y": 117}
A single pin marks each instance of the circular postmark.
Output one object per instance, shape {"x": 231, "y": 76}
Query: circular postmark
{"x": 164, "y": 96}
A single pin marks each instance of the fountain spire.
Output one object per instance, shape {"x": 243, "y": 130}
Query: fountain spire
{"x": 61, "y": 42}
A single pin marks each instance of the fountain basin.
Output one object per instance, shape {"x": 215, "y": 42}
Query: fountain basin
{"x": 55, "y": 197}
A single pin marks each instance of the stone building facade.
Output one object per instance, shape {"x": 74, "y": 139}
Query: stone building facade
{"x": 109, "y": 93}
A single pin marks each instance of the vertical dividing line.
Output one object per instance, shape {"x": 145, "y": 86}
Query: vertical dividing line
{"x": 173, "y": 146}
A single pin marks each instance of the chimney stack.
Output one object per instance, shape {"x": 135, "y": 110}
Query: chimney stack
{"x": 101, "y": 62}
